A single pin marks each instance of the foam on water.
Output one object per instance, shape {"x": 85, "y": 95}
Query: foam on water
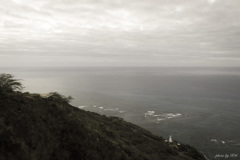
{"x": 223, "y": 142}
{"x": 150, "y": 115}
{"x": 101, "y": 110}
{"x": 81, "y": 107}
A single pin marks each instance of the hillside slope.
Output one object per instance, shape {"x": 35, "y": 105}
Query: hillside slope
{"x": 37, "y": 128}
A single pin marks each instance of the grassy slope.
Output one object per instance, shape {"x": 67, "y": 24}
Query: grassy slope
{"x": 36, "y": 128}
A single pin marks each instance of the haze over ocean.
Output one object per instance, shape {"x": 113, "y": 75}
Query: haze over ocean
{"x": 197, "y": 106}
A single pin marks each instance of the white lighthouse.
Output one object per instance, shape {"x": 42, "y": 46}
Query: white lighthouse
{"x": 170, "y": 139}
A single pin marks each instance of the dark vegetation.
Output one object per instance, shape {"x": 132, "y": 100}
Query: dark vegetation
{"x": 33, "y": 127}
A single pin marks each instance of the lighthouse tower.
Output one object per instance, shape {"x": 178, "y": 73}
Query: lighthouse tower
{"x": 170, "y": 139}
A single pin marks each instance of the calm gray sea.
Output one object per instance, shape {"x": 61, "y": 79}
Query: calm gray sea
{"x": 197, "y": 106}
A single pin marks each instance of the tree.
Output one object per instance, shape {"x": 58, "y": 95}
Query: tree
{"x": 9, "y": 84}
{"x": 60, "y": 97}
{"x": 69, "y": 99}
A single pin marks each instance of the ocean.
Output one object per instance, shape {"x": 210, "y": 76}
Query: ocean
{"x": 196, "y": 106}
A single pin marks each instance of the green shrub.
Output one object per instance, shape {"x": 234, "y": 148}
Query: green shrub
{"x": 60, "y": 98}
{"x": 9, "y": 84}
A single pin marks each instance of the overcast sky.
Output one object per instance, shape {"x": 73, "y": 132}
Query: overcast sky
{"x": 119, "y": 33}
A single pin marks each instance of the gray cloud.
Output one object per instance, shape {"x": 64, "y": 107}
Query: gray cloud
{"x": 121, "y": 32}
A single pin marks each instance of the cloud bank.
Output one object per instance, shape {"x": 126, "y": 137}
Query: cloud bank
{"x": 119, "y": 33}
